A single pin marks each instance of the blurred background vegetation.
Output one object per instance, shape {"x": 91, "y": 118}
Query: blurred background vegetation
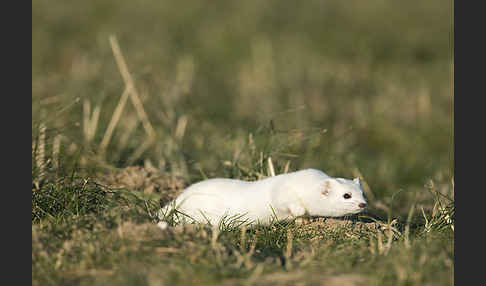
{"x": 349, "y": 87}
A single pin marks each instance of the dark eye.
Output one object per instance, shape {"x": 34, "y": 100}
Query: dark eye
{"x": 347, "y": 196}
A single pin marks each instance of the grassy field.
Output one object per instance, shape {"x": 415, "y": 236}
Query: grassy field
{"x": 131, "y": 102}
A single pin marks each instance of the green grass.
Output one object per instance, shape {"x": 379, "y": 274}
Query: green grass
{"x": 354, "y": 89}
{"x": 117, "y": 242}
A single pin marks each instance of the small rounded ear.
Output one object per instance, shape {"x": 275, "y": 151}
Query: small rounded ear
{"x": 326, "y": 188}
{"x": 357, "y": 181}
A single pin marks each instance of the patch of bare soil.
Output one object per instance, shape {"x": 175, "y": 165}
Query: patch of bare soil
{"x": 320, "y": 226}
{"x": 149, "y": 181}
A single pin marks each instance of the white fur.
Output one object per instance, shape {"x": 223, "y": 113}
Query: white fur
{"x": 285, "y": 196}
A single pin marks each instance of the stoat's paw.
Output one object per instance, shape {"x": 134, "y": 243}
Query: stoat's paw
{"x": 162, "y": 225}
{"x": 303, "y": 220}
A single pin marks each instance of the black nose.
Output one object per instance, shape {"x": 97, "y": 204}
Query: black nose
{"x": 362, "y": 205}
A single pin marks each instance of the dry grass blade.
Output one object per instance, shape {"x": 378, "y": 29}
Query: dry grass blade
{"x": 94, "y": 121}
{"x": 407, "y": 226}
{"x": 380, "y": 243}
{"x": 271, "y": 169}
{"x": 286, "y": 168}
{"x": 127, "y": 78}
{"x": 214, "y": 238}
{"x": 56, "y": 148}
{"x": 86, "y": 114}
{"x": 242, "y": 237}
{"x": 114, "y": 119}
{"x": 90, "y": 121}
{"x": 129, "y": 92}
{"x": 288, "y": 249}
{"x": 181, "y": 127}
{"x": 41, "y": 152}
{"x": 389, "y": 241}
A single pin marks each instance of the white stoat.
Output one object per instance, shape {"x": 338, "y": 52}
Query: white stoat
{"x": 310, "y": 192}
